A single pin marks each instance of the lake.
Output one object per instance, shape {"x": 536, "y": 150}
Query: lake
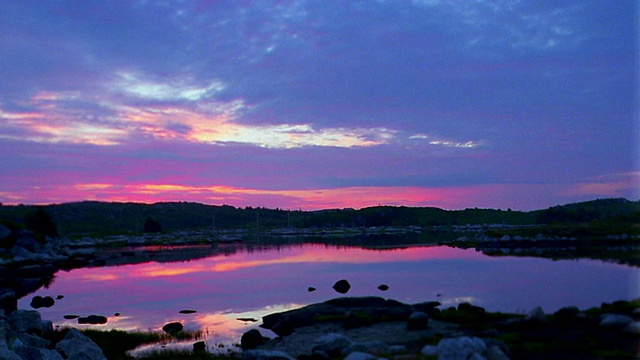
{"x": 232, "y": 281}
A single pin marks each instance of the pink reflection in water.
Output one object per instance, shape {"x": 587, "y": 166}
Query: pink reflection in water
{"x": 254, "y": 281}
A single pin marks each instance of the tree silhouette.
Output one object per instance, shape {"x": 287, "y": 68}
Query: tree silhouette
{"x": 40, "y": 222}
{"x": 152, "y": 226}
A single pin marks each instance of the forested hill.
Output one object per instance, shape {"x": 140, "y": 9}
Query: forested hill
{"x": 91, "y": 217}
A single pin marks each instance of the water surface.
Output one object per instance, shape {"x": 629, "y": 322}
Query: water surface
{"x": 240, "y": 281}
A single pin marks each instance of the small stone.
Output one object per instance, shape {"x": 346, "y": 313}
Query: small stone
{"x": 187, "y": 311}
{"x": 311, "y": 289}
{"x": 383, "y": 287}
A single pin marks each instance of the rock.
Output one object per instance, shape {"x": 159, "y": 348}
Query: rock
{"x": 173, "y": 327}
{"x": 76, "y": 346}
{"x": 71, "y": 317}
{"x": 461, "y": 348}
{"x": 383, "y": 287}
{"x": 369, "y": 306}
{"x": 632, "y": 328}
{"x": 4, "y": 232}
{"x": 429, "y": 350}
{"x": 251, "y": 339}
{"x": 342, "y": 286}
{"x": 418, "y": 320}
{"x": 93, "y": 320}
{"x": 615, "y": 320}
{"x": 397, "y": 349}
{"x": 568, "y": 312}
{"x": 28, "y": 321}
{"x": 40, "y": 302}
{"x": 429, "y": 307}
{"x": 494, "y": 353}
{"x": 311, "y": 289}
{"x": 6, "y": 354}
{"x": 32, "y": 340}
{"x": 265, "y": 355}
{"x": 26, "y": 242}
{"x": 370, "y": 347}
{"x": 470, "y": 309}
{"x": 332, "y": 344}
{"x": 35, "y": 353}
{"x": 186, "y": 311}
{"x": 357, "y": 355}
{"x": 8, "y": 300}
{"x": 536, "y": 315}
{"x": 199, "y": 346}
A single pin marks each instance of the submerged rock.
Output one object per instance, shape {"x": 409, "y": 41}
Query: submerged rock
{"x": 93, "y": 320}
{"x": 173, "y": 327}
{"x": 342, "y": 286}
{"x": 383, "y": 287}
{"x": 40, "y": 302}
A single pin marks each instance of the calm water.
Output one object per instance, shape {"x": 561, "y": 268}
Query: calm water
{"x": 252, "y": 282}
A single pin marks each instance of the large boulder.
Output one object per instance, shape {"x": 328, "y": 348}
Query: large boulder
{"x": 284, "y": 323}
{"x": 36, "y": 353}
{"x": 251, "y": 339}
{"x": 77, "y": 346}
{"x": 460, "y": 348}
{"x": 28, "y": 321}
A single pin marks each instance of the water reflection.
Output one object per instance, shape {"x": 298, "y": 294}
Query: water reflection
{"x": 249, "y": 281}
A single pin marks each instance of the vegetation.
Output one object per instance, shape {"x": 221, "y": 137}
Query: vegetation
{"x": 99, "y": 218}
{"x": 40, "y": 222}
{"x": 152, "y": 226}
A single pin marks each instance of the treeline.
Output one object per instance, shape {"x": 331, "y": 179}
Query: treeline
{"x": 102, "y": 218}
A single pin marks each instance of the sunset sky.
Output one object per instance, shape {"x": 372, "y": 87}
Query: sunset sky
{"x": 320, "y": 104}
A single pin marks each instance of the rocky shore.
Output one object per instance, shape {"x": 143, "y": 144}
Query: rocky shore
{"x": 368, "y": 328}
{"x": 25, "y": 336}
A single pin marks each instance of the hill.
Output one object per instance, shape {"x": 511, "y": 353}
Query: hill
{"x": 102, "y": 218}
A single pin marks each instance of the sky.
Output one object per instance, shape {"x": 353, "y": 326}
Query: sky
{"x": 320, "y": 104}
